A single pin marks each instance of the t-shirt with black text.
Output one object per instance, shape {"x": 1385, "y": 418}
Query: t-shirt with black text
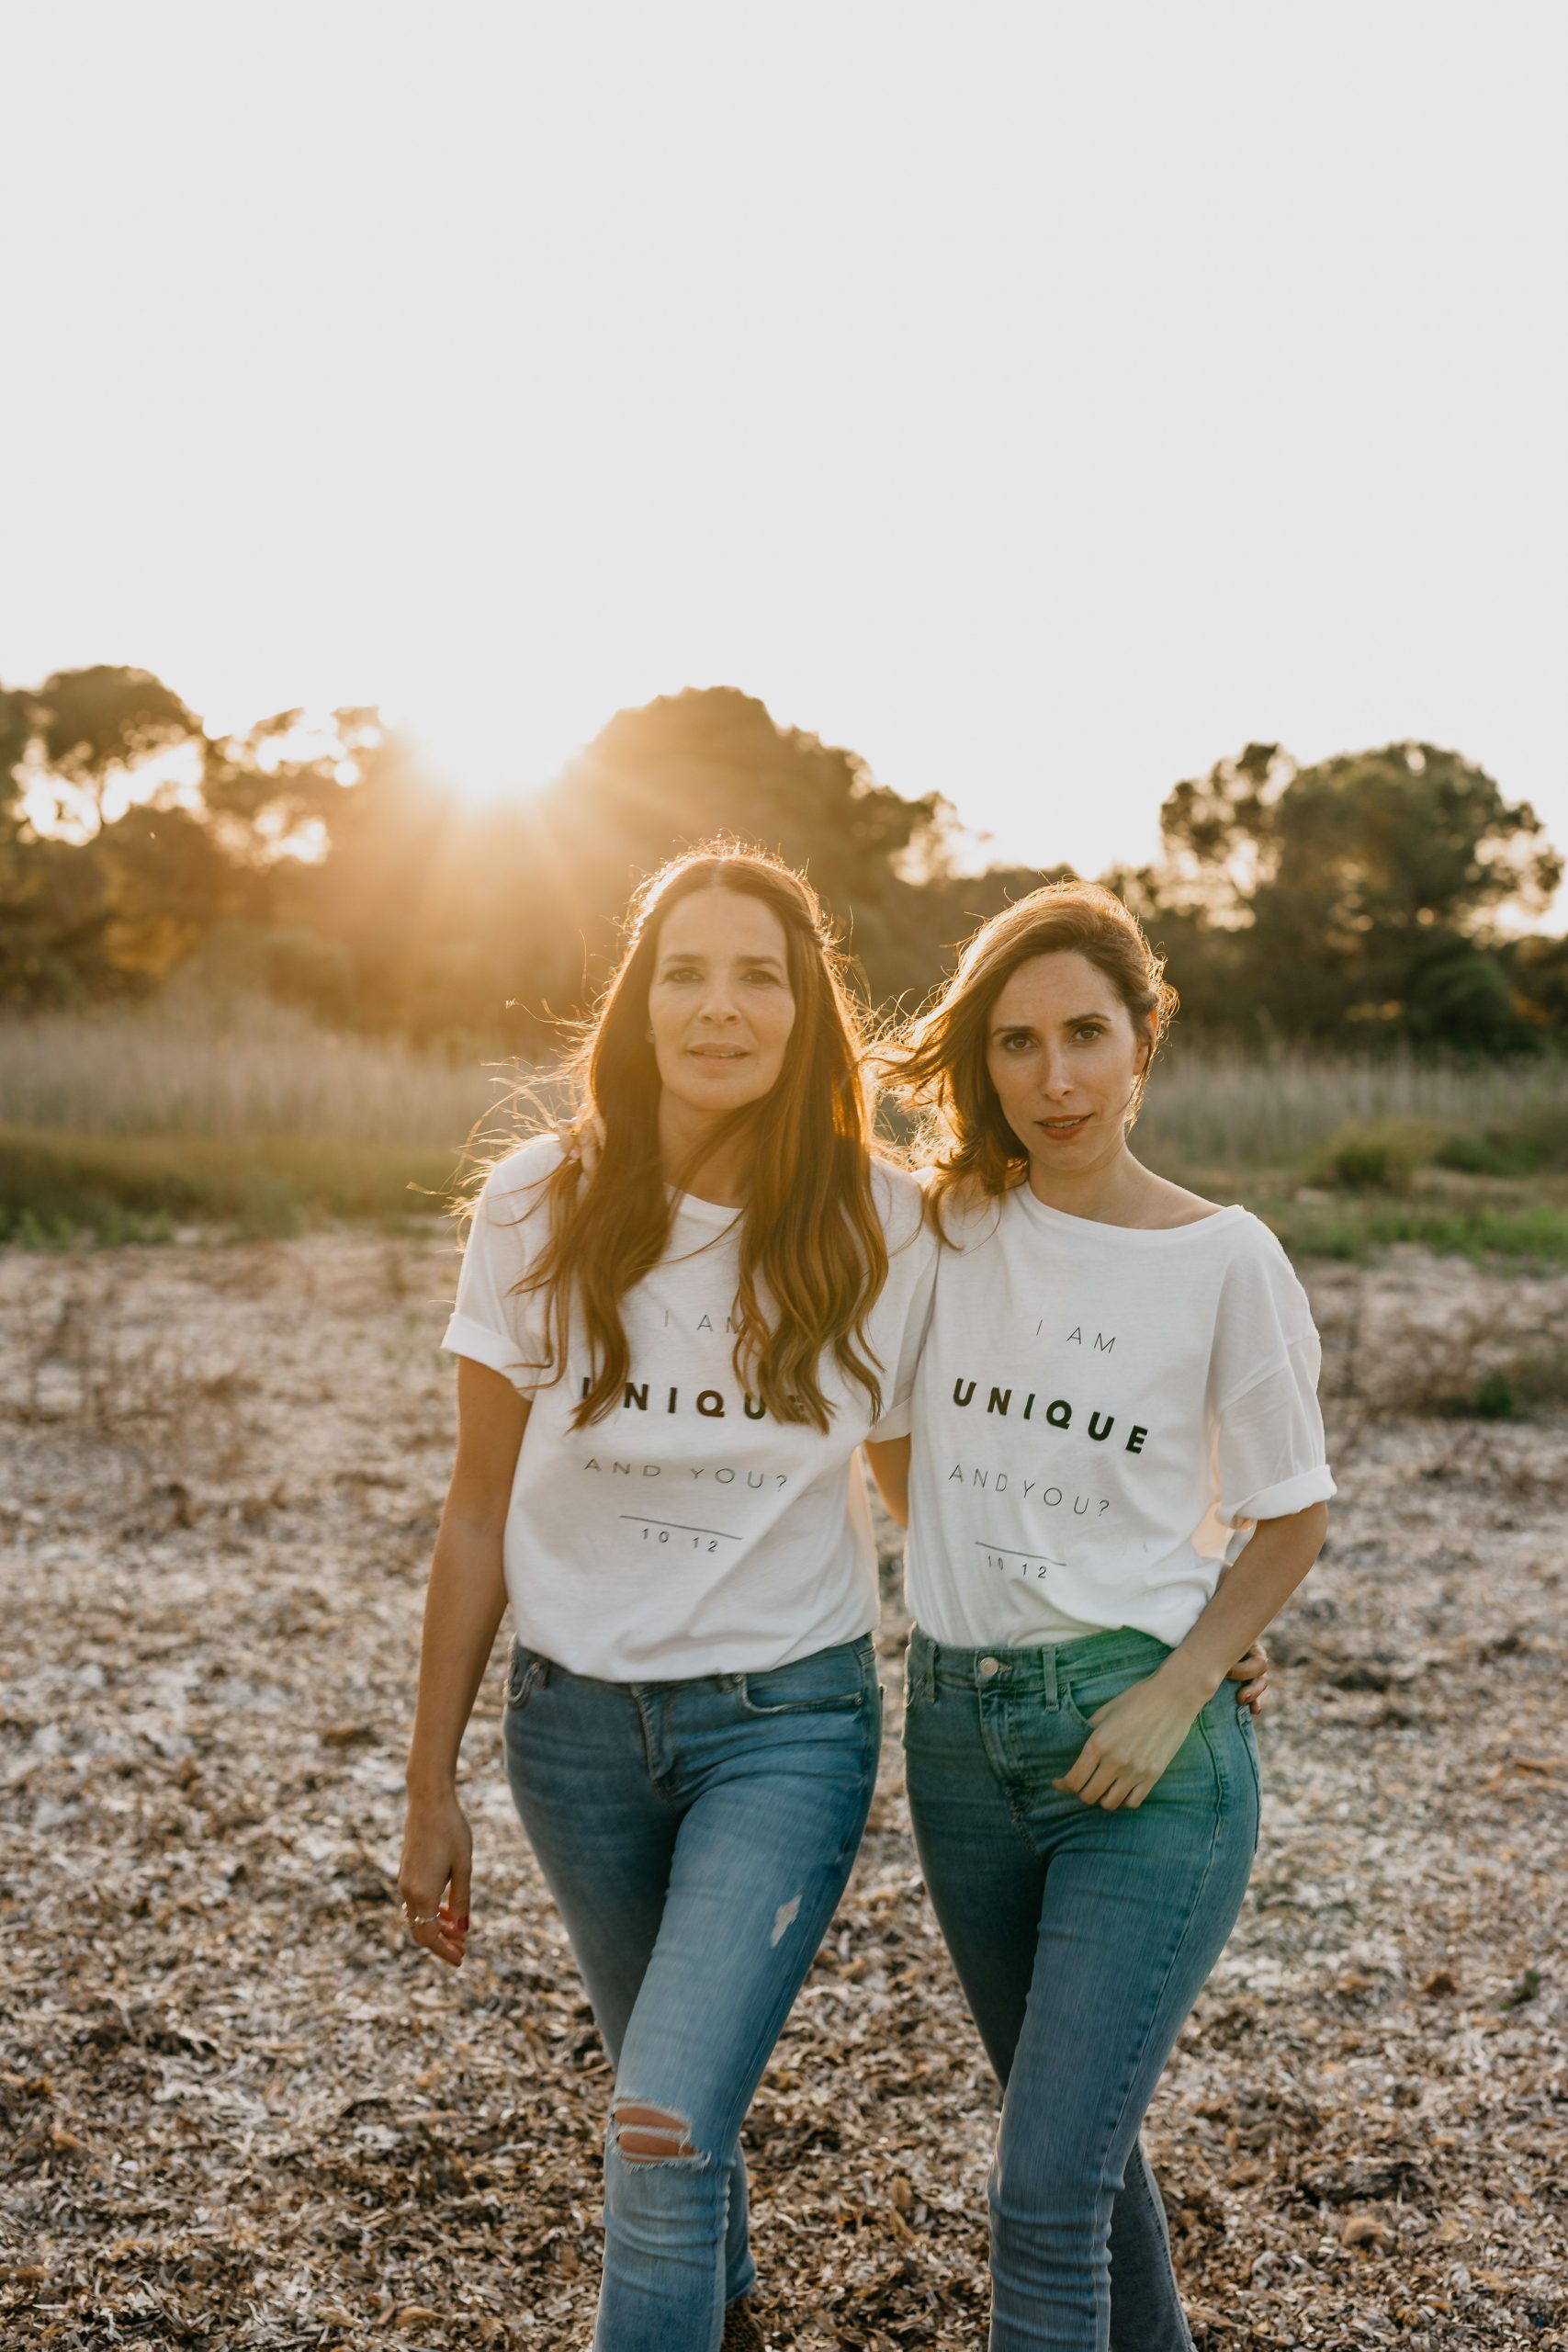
{"x": 1101, "y": 1412}
{"x": 689, "y": 1532}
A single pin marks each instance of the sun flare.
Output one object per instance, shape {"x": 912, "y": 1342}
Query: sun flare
{"x": 497, "y": 751}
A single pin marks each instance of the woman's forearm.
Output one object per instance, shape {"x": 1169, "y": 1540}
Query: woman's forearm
{"x": 1248, "y": 1598}
{"x": 889, "y": 1460}
{"x": 463, "y": 1607}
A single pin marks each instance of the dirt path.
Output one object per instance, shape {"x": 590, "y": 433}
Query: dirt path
{"x": 242, "y": 2111}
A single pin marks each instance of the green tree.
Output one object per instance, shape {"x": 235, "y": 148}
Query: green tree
{"x": 94, "y": 900}
{"x": 714, "y": 760}
{"x": 1357, "y": 891}
{"x": 1537, "y": 974}
{"x": 98, "y": 727}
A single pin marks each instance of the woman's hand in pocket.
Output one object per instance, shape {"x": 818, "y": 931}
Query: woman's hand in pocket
{"x": 434, "y": 1874}
{"x": 1132, "y": 1739}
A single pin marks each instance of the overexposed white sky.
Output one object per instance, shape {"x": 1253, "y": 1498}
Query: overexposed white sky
{"x": 1043, "y": 400}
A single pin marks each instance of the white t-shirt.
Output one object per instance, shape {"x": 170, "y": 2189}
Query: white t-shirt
{"x": 1100, "y": 1413}
{"x": 688, "y": 1533}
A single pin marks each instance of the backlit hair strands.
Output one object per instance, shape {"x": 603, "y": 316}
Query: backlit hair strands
{"x": 937, "y": 1068}
{"x": 812, "y": 1254}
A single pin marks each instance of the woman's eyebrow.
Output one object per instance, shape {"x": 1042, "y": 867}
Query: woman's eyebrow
{"x": 700, "y": 956}
{"x": 1074, "y": 1021}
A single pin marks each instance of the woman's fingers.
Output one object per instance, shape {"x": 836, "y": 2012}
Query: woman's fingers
{"x": 457, "y": 1895}
{"x": 1110, "y": 1778}
{"x": 440, "y": 1934}
{"x": 434, "y": 1877}
{"x": 1110, "y": 1786}
{"x": 1075, "y": 1782}
{"x": 1092, "y": 1777}
{"x": 438, "y": 1921}
{"x": 447, "y": 1939}
{"x": 1252, "y": 1673}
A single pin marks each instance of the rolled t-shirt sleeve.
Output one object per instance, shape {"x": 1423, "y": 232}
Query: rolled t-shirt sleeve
{"x": 492, "y": 1322}
{"x": 1269, "y": 1451}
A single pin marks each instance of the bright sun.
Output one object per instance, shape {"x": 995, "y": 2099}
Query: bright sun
{"x": 499, "y": 752}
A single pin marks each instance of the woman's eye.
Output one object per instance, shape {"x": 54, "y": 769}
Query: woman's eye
{"x": 763, "y": 979}
{"x": 1019, "y": 1042}
{"x": 680, "y": 972}
{"x": 1091, "y": 1029}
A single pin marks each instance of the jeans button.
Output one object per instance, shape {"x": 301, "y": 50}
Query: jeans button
{"x": 989, "y": 1666}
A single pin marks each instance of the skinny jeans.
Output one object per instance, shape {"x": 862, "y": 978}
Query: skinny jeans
{"x": 1081, "y": 1939}
{"x": 696, "y": 1837}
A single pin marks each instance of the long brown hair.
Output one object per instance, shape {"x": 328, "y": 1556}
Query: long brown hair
{"x": 811, "y": 1243}
{"x": 939, "y": 1067}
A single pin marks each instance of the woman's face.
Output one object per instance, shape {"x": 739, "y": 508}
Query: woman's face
{"x": 720, "y": 1004}
{"x": 1064, "y": 1056}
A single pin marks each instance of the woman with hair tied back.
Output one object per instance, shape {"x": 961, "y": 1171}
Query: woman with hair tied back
{"x": 1118, "y": 1478}
{"x": 675, "y": 1324}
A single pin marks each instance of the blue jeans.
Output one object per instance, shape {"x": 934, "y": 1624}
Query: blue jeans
{"x": 1081, "y": 1939}
{"x": 696, "y": 1837}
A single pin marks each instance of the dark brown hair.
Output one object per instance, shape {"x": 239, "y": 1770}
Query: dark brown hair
{"x": 938, "y": 1068}
{"x": 811, "y": 1240}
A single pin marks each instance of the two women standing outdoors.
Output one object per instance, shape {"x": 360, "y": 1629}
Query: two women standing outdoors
{"x": 1087, "y": 1389}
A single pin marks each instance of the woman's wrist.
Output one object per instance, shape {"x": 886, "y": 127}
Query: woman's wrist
{"x": 1196, "y": 1678}
{"x": 430, "y": 1784}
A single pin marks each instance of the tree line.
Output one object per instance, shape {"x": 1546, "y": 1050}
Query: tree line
{"x": 325, "y": 863}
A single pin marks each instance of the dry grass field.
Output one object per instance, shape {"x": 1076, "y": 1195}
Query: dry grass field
{"x": 242, "y": 2111}
{"x": 128, "y": 1122}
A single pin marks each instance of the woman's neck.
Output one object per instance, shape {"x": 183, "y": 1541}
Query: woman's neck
{"x": 721, "y": 1175}
{"x": 1117, "y": 1191}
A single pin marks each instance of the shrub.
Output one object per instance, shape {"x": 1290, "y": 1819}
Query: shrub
{"x": 1377, "y": 1158}
{"x": 1493, "y": 1400}
{"x": 1491, "y": 1154}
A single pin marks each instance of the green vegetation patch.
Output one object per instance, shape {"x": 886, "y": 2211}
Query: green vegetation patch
{"x": 1496, "y": 1153}
{"x": 1534, "y": 1231}
{"x": 1382, "y": 1158}
{"x": 55, "y": 1184}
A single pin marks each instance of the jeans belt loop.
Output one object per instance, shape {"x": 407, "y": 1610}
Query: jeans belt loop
{"x": 1053, "y": 1680}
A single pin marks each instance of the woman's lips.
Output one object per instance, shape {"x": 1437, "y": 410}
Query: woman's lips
{"x": 1059, "y": 1129}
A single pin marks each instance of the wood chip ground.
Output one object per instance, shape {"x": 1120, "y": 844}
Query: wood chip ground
{"x": 240, "y": 2111}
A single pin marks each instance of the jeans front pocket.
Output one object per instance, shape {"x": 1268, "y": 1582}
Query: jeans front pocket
{"x": 527, "y": 1672}
{"x": 1090, "y": 1685}
{"x": 828, "y": 1679}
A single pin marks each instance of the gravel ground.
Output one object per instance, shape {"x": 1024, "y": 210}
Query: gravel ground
{"x": 241, "y": 2110}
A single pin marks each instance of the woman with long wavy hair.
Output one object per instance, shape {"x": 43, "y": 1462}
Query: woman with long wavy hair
{"x": 675, "y": 1327}
{"x": 1118, "y": 1479}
